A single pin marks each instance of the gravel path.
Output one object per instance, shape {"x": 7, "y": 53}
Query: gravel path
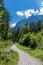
{"x": 26, "y": 59}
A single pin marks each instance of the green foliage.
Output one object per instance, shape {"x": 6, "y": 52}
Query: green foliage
{"x": 20, "y": 32}
{"x": 28, "y": 28}
{"x": 34, "y": 41}
{"x": 30, "y": 40}
{"x": 30, "y": 35}
{"x": 25, "y": 29}
{"x": 8, "y": 57}
{"x": 5, "y": 44}
{"x": 16, "y": 36}
{"x": 40, "y": 35}
{"x": 4, "y": 21}
{"x": 25, "y": 40}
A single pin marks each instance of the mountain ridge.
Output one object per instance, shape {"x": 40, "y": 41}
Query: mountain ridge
{"x": 33, "y": 18}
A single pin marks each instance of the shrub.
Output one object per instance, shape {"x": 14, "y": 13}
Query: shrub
{"x": 34, "y": 41}
{"x": 30, "y": 40}
{"x": 40, "y": 35}
{"x": 25, "y": 40}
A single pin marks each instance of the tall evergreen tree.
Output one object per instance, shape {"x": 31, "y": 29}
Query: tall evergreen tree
{"x": 4, "y": 21}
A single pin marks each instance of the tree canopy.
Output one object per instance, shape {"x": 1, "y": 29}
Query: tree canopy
{"x": 4, "y": 21}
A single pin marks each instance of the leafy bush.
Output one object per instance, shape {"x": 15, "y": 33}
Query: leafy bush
{"x": 8, "y": 57}
{"x": 5, "y": 44}
{"x": 40, "y": 35}
{"x": 30, "y": 40}
{"x": 34, "y": 41}
{"x": 25, "y": 40}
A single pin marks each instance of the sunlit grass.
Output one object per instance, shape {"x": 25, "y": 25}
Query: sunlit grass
{"x": 7, "y": 55}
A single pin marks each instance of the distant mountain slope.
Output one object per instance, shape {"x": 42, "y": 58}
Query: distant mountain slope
{"x": 33, "y": 18}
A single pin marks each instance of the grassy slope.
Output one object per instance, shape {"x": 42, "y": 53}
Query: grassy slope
{"x": 8, "y": 57}
{"x": 35, "y": 53}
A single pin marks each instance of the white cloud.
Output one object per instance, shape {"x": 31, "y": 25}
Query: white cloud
{"x": 41, "y": 11}
{"x": 19, "y": 13}
{"x": 28, "y": 13}
{"x": 42, "y": 3}
{"x": 13, "y": 25}
{"x": 36, "y": 12}
{"x": 32, "y": 11}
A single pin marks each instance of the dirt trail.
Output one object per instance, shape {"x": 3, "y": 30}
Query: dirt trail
{"x": 25, "y": 58}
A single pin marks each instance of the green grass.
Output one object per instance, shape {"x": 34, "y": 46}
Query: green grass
{"x": 6, "y": 44}
{"x": 7, "y": 55}
{"x": 37, "y": 53}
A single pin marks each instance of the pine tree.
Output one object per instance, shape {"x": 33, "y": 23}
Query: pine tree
{"x": 4, "y": 20}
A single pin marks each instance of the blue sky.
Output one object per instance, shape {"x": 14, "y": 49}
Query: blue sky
{"x": 20, "y": 9}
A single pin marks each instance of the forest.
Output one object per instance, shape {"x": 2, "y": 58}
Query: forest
{"x": 30, "y": 35}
